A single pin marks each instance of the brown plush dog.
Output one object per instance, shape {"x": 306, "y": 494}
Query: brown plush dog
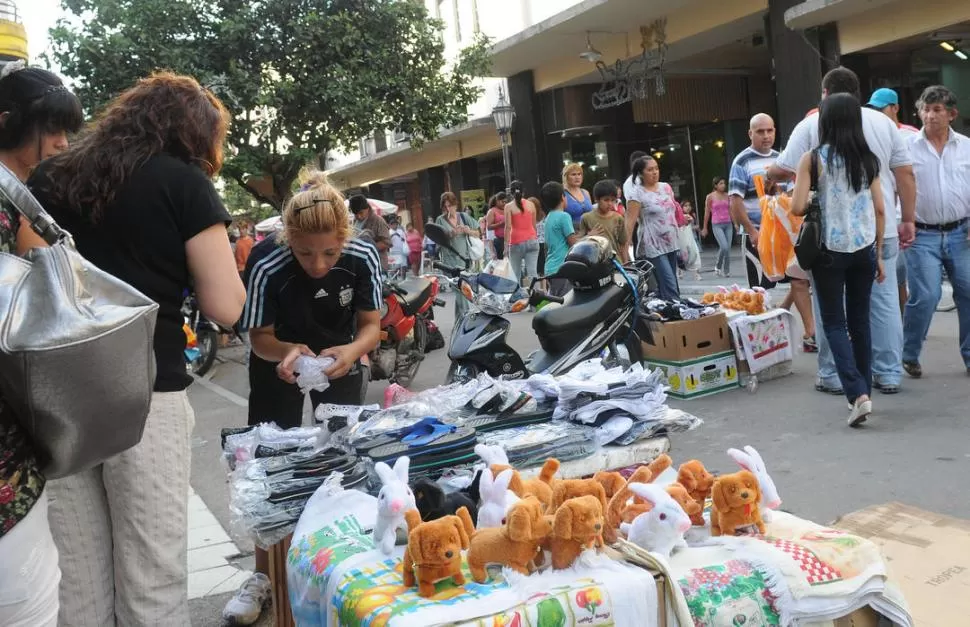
{"x": 736, "y": 498}
{"x": 619, "y": 510}
{"x": 515, "y": 545}
{"x": 539, "y": 487}
{"x": 612, "y": 482}
{"x": 578, "y": 525}
{"x": 435, "y": 548}
{"x": 698, "y": 481}
{"x": 691, "y": 507}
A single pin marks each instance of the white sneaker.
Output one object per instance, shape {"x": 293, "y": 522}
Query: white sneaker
{"x": 248, "y": 604}
{"x": 860, "y": 412}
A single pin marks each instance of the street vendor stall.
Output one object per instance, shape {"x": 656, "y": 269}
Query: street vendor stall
{"x": 418, "y": 514}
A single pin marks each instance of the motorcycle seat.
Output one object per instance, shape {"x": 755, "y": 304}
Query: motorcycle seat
{"x": 561, "y": 328}
{"x": 417, "y": 291}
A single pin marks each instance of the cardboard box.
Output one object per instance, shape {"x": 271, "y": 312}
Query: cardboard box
{"x": 928, "y": 556}
{"x": 688, "y": 339}
{"x": 699, "y": 377}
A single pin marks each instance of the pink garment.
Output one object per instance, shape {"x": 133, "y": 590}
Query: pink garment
{"x": 522, "y": 228}
{"x": 679, "y": 214}
{"x": 720, "y": 211}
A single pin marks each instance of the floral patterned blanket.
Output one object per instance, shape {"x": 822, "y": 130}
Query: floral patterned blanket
{"x": 797, "y": 573}
{"x": 336, "y": 576}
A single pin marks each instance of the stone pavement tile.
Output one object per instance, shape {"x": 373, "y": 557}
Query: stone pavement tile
{"x": 224, "y": 578}
{"x": 206, "y": 557}
{"x": 207, "y": 535}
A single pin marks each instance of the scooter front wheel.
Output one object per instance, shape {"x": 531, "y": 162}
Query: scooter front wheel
{"x": 461, "y": 372}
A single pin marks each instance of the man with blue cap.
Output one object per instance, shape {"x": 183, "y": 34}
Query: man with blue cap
{"x": 886, "y": 101}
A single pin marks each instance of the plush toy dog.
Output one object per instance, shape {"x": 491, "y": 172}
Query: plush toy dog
{"x": 691, "y": 507}
{"x": 698, "y": 481}
{"x": 433, "y": 503}
{"x": 612, "y": 482}
{"x": 539, "y": 487}
{"x": 515, "y": 545}
{"x": 620, "y": 510}
{"x": 578, "y": 525}
{"x": 736, "y": 499}
{"x": 434, "y": 547}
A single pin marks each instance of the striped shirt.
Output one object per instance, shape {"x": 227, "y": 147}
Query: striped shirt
{"x": 747, "y": 165}
{"x": 320, "y": 313}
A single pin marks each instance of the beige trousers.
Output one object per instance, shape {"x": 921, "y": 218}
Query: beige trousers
{"x": 121, "y": 528}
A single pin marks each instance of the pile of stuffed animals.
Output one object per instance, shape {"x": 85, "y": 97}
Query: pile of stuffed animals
{"x": 510, "y": 521}
{"x": 751, "y": 301}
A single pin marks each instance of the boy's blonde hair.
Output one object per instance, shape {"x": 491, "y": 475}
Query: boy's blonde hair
{"x": 317, "y": 208}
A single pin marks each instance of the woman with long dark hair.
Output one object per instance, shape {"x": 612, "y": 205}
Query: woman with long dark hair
{"x": 521, "y": 239}
{"x": 495, "y": 224}
{"x": 652, "y": 206}
{"x": 853, "y": 217}
{"x": 136, "y": 193}
{"x": 36, "y": 114}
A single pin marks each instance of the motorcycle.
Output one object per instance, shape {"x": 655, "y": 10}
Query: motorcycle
{"x": 407, "y": 322}
{"x": 201, "y": 337}
{"x": 598, "y": 318}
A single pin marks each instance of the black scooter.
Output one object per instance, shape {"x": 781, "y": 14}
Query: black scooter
{"x": 600, "y": 321}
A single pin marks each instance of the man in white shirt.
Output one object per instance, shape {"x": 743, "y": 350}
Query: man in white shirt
{"x": 895, "y": 173}
{"x": 941, "y": 160}
{"x": 886, "y": 101}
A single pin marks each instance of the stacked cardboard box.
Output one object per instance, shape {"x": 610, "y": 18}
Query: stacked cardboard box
{"x": 695, "y": 355}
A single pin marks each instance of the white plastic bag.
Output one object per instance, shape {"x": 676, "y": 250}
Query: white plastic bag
{"x": 502, "y": 268}
{"x": 310, "y": 373}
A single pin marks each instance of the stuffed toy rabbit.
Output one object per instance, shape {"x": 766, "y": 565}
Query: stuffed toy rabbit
{"x": 496, "y": 498}
{"x": 394, "y": 499}
{"x": 750, "y": 460}
{"x": 662, "y": 529}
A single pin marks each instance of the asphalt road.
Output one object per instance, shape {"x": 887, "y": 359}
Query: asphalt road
{"x": 915, "y": 448}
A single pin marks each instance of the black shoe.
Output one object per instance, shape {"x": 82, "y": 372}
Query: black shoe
{"x": 913, "y": 369}
{"x": 819, "y": 387}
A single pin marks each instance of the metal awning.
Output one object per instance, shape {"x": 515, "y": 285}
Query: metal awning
{"x": 817, "y": 12}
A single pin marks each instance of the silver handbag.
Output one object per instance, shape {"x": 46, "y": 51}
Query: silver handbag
{"x": 77, "y": 364}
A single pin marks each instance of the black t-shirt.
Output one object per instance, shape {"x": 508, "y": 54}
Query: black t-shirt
{"x": 141, "y": 240}
{"x": 320, "y": 313}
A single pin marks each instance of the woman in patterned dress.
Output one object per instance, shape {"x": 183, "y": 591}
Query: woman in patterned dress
{"x": 36, "y": 114}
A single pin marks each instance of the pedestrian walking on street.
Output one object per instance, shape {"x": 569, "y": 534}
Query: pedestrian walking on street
{"x": 895, "y": 173}
{"x": 559, "y": 235}
{"x": 460, "y": 228}
{"x": 941, "y": 161}
{"x": 846, "y": 176}
{"x": 145, "y": 210}
{"x": 244, "y": 246}
{"x": 605, "y": 221}
{"x": 578, "y": 200}
{"x": 717, "y": 218}
{"x": 316, "y": 291}
{"x": 38, "y": 114}
{"x": 414, "y": 249}
{"x": 366, "y": 219}
{"x": 495, "y": 224}
{"x": 652, "y": 207}
{"x": 521, "y": 239}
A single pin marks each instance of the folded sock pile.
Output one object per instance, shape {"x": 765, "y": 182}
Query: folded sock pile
{"x": 636, "y": 392}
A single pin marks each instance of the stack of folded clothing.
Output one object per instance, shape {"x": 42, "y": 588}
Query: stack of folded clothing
{"x": 672, "y": 310}
{"x": 592, "y": 398}
{"x": 531, "y": 445}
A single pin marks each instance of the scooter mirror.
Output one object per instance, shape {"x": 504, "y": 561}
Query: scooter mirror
{"x": 437, "y": 235}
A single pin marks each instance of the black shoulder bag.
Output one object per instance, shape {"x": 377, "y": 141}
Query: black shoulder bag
{"x": 809, "y": 248}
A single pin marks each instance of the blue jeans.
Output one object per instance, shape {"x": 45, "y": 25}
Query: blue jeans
{"x": 665, "y": 269}
{"x": 887, "y": 328}
{"x": 844, "y": 291}
{"x": 527, "y": 251}
{"x": 724, "y": 234}
{"x": 931, "y": 252}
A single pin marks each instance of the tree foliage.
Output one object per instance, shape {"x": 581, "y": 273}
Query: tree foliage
{"x": 301, "y": 77}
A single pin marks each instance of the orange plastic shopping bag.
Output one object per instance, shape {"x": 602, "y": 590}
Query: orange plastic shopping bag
{"x": 779, "y": 230}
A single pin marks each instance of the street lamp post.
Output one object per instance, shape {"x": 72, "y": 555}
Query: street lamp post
{"x": 504, "y": 116}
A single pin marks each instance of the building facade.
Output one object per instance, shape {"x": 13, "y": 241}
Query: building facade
{"x": 584, "y": 78}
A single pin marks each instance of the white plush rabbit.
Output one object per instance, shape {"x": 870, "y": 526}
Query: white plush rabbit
{"x": 662, "y": 529}
{"x": 492, "y": 454}
{"x": 496, "y": 498}
{"x": 394, "y": 499}
{"x": 749, "y": 459}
